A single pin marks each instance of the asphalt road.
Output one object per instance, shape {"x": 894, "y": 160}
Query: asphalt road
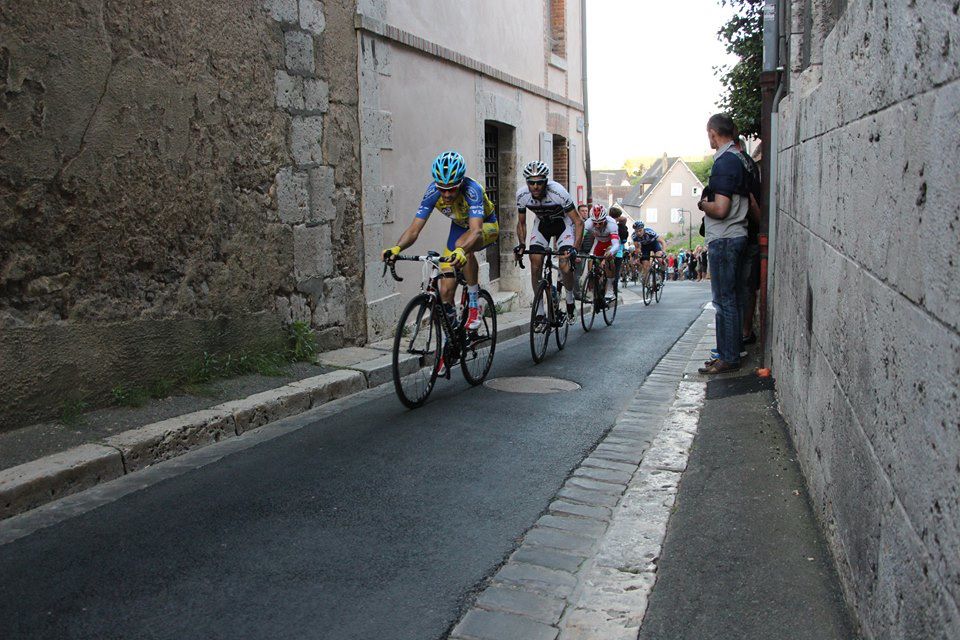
{"x": 375, "y": 522}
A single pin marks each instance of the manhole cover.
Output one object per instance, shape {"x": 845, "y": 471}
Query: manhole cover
{"x": 532, "y": 384}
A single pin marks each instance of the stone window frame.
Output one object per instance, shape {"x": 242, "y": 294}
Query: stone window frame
{"x": 556, "y": 28}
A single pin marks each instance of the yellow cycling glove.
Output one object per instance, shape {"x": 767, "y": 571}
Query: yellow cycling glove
{"x": 391, "y": 252}
{"x": 458, "y": 257}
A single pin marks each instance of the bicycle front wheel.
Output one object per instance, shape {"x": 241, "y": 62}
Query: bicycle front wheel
{"x": 658, "y": 290}
{"x": 610, "y": 308}
{"x": 648, "y": 288}
{"x": 588, "y": 305}
{"x": 480, "y": 344}
{"x": 416, "y": 351}
{"x": 540, "y": 322}
{"x": 563, "y": 326}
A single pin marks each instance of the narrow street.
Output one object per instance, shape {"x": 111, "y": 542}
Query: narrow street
{"x": 374, "y": 522}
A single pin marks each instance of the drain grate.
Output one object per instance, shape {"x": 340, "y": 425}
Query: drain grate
{"x": 532, "y": 384}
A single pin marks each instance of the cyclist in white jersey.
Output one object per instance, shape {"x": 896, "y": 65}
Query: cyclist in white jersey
{"x": 606, "y": 242}
{"x": 555, "y": 218}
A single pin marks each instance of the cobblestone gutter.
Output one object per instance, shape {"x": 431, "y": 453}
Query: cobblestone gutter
{"x": 587, "y": 567}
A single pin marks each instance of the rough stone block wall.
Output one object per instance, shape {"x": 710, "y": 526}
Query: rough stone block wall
{"x": 172, "y": 174}
{"x": 317, "y": 190}
{"x": 867, "y": 305}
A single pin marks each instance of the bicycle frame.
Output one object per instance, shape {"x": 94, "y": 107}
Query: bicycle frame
{"x": 430, "y": 285}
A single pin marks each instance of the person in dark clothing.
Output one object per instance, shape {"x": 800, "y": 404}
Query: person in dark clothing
{"x": 749, "y": 278}
{"x": 585, "y": 245}
{"x": 726, "y": 239}
{"x": 616, "y": 212}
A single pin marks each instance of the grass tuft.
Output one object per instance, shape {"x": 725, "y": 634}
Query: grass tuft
{"x": 130, "y": 397}
{"x": 303, "y": 342}
{"x": 71, "y": 414}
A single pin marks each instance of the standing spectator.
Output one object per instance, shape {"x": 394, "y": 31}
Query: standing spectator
{"x": 585, "y": 245}
{"x": 671, "y": 266}
{"x": 726, "y": 239}
{"x": 616, "y": 212}
{"x": 749, "y": 278}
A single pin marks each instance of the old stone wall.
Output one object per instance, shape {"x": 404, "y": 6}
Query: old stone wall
{"x": 175, "y": 177}
{"x": 866, "y": 300}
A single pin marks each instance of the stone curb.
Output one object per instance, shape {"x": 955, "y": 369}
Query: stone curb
{"x": 32, "y": 484}
{"x": 586, "y": 568}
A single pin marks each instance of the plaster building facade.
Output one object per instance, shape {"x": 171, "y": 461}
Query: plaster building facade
{"x": 865, "y": 297}
{"x": 184, "y": 178}
{"x": 426, "y": 87}
{"x": 666, "y": 194}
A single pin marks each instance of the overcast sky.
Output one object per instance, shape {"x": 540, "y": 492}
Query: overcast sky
{"x": 650, "y": 74}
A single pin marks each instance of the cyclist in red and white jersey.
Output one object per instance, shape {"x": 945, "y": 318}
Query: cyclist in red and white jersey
{"x": 606, "y": 242}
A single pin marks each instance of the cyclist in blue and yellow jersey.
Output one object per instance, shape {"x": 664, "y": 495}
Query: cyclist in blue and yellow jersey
{"x": 473, "y": 226}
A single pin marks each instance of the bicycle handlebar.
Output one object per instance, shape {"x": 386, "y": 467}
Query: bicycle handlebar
{"x": 391, "y": 263}
{"x": 518, "y": 256}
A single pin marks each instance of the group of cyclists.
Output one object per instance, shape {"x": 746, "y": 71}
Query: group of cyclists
{"x": 474, "y": 226}
{"x": 558, "y": 228}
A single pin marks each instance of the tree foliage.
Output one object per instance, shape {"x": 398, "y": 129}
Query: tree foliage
{"x": 635, "y": 169}
{"x": 702, "y": 169}
{"x": 742, "y": 36}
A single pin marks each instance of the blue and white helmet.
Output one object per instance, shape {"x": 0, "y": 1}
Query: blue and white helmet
{"x": 449, "y": 168}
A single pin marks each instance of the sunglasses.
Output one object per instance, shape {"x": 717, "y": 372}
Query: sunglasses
{"x": 536, "y": 183}
{"x": 448, "y": 188}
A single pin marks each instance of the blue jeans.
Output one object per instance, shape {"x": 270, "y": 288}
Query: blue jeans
{"x": 726, "y": 257}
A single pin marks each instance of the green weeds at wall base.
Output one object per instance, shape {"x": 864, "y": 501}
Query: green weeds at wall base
{"x": 195, "y": 378}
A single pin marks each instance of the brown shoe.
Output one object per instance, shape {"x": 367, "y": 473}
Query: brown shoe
{"x": 710, "y": 362}
{"x": 719, "y": 366}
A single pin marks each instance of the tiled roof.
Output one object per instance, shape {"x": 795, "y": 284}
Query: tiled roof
{"x": 652, "y": 177}
{"x": 616, "y": 176}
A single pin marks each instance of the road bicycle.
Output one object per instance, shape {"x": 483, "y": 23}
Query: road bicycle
{"x": 546, "y": 314}
{"x": 654, "y": 280}
{"x": 629, "y": 271}
{"x": 425, "y": 332}
{"x": 592, "y": 294}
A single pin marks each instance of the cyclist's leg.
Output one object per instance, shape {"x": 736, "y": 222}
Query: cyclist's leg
{"x": 448, "y": 281}
{"x": 645, "y": 261}
{"x": 539, "y": 241}
{"x": 564, "y": 243}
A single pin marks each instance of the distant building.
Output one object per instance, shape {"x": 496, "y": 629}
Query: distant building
{"x": 609, "y": 186}
{"x": 666, "y": 194}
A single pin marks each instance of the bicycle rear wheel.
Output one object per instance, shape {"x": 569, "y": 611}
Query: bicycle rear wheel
{"x": 560, "y": 332}
{"x": 480, "y": 344}
{"x": 416, "y": 352}
{"x": 540, "y": 322}
{"x": 588, "y": 306}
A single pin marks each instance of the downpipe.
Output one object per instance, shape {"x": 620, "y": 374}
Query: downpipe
{"x": 771, "y": 43}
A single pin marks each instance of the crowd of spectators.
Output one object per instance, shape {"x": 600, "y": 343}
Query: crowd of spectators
{"x": 688, "y": 264}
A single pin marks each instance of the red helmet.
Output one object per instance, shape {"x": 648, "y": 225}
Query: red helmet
{"x": 598, "y": 212}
